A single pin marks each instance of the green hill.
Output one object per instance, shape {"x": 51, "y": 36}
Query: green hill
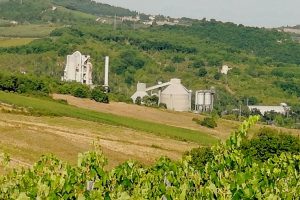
{"x": 57, "y": 11}
{"x": 265, "y": 62}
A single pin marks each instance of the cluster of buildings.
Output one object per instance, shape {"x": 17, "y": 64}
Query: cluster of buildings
{"x": 176, "y": 96}
{"x": 173, "y": 94}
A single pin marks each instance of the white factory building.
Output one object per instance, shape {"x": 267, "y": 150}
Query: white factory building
{"x": 282, "y": 109}
{"x": 172, "y": 93}
{"x": 78, "y": 68}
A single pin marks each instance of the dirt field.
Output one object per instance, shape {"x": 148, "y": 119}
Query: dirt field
{"x": 178, "y": 119}
{"x": 26, "y": 138}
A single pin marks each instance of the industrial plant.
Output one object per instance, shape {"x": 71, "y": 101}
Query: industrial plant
{"x": 78, "y": 68}
{"x": 175, "y": 96}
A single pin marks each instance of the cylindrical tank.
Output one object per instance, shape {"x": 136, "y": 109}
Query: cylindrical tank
{"x": 200, "y": 98}
{"x": 207, "y": 99}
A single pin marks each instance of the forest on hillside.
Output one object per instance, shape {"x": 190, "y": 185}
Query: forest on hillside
{"x": 265, "y": 62}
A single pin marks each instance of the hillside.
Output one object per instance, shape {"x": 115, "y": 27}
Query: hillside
{"x": 265, "y": 62}
{"x": 57, "y": 11}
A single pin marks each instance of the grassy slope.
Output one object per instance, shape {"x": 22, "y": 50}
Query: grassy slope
{"x": 10, "y": 42}
{"x": 46, "y": 107}
{"x": 27, "y": 31}
{"x": 26, "y": 138}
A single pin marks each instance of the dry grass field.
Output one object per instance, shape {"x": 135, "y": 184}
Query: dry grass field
{"x": 178, "y": 119}
{"x": 26, "y": 138}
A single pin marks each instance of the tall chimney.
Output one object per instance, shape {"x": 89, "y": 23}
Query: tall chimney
{"x": 106, "y": 71}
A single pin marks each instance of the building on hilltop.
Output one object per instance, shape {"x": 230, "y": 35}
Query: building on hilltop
{"x": 78, "y": 68}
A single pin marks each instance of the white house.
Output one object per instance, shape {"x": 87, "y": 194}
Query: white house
{"x": 78, "y": 68}
{"x": 225, "y": 69}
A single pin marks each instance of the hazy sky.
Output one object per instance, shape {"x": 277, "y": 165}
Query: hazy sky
{"x": 268, "y": 13}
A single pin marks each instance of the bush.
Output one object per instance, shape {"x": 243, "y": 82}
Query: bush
{"x": 81, "y": 91}
{"x": 269, "y": 142}
{"x": 209, "y": 122}
{"x": 200, "y": 156}
{"x": 138, "y": 101}
{"x": 202, "y": 72}
{"x": 151, "y": 101}
{"x": 98, "y": 95}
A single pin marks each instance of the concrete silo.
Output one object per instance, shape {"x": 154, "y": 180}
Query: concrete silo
{"x": 176, "y": 96}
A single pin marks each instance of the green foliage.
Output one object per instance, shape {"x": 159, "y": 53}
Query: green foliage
{"x": 138, "y": 101}
{"x": 209, "y": 122}
{"x": 170, "y": 69}
{"x": 177, "y": 59}
{"x": 217, "y": 76}
{"x": 199, "y": 157}
{"x": 151, "y": 101}
{"x": 202, "y": 72}
{"x": 198, "y": 64}
{"x": 24, "y": 84}
{"x": 227, "y": 174}
{"x": 66, "y": 11}
{"x": 81, "y": 91}
{"x": 93, "y": 7}
{"x": 268, "y": 143}
{"x": 98, "y": 95}
{"x": 289, "y": 87}
{"x": 250, "y": 100}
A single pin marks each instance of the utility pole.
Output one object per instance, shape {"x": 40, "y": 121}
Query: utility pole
{"x": 115, "y": 22}
{"x": 21, "y": 2}
{"x": 240, "y": 113}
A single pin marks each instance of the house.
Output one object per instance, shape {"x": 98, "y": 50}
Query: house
{"x": 225, "y": 69}
{"x": 78, "y": 68}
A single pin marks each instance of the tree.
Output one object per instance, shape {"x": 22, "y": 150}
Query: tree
{"x": 202, "y": 72}
{"x": 98, "y": 95}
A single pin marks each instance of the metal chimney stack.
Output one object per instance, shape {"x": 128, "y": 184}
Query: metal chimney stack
{"x": 106, "y": 86}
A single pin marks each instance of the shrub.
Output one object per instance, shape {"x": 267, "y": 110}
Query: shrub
{"x": 209, "y": 122}
{"x": 138, "y": 101}
{"x": 98, "y": 95}
{"x": 200, "y": 156}
{"x": 151, "y": 101}
{"x": 217, "y": 76}
{"x": 81, "y": 91}
{"x": 202, "y": 72}
{"x": 269, "y": 142}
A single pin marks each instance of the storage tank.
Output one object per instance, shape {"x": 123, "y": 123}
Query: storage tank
{"x": 207, "y": 99}
{"x": 176, "y": 96}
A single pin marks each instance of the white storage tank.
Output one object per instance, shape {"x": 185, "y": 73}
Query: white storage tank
{"x": 207, "y": 99}
{"x": 176, "y": 96}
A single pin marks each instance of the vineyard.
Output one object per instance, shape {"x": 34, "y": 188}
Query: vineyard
{"x": 230, "y": 175}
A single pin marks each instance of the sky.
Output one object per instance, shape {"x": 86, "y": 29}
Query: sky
{"x": 261, "y": 13}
